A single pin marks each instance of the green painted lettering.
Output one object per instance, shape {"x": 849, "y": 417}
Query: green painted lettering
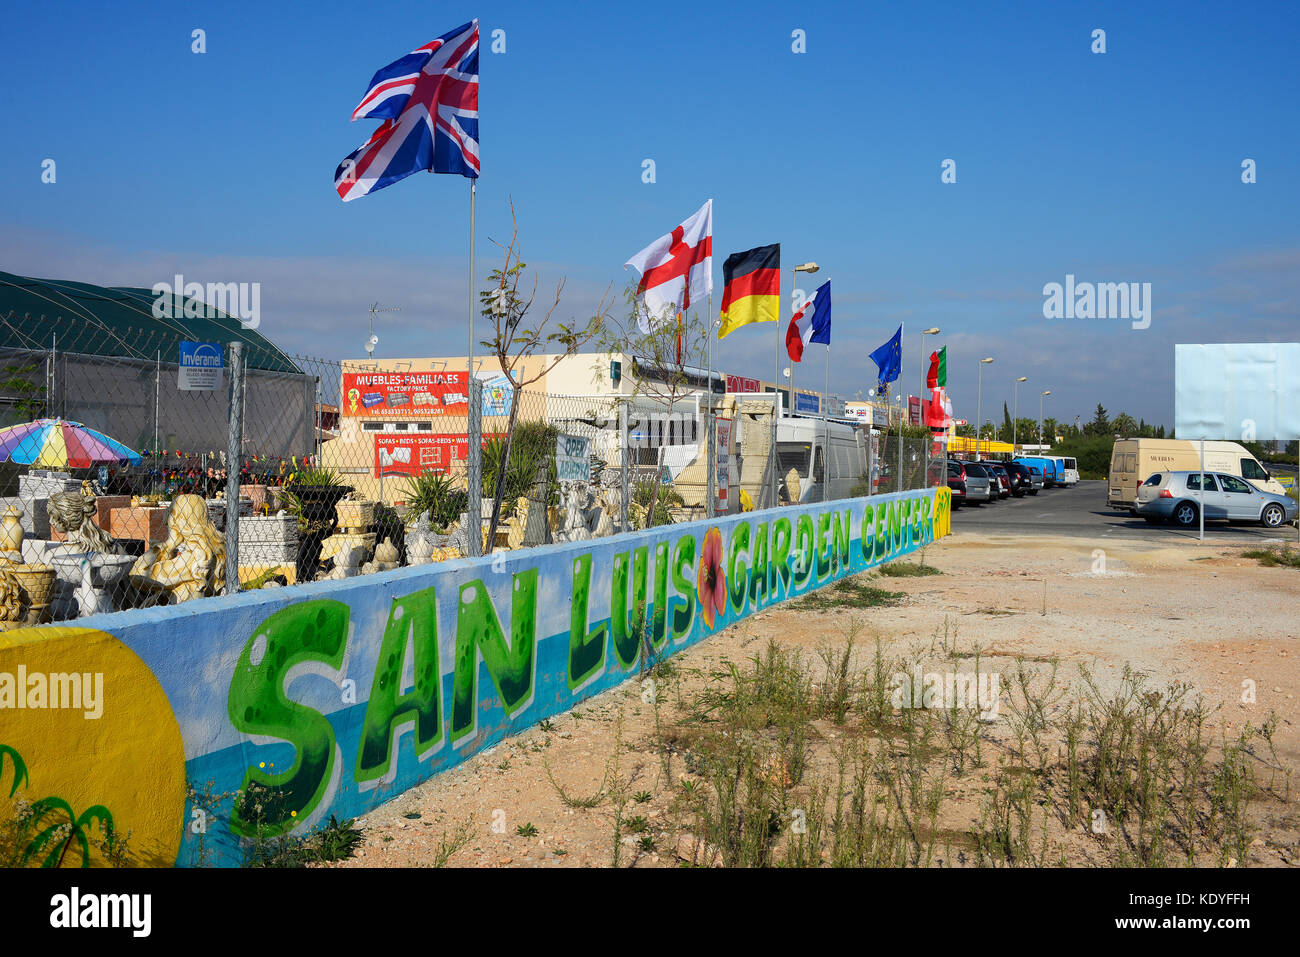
{"x": 478, "y": 629}
{"x": 413, "y": 618}
{"x": 257, "y": 704}
{"x": 683, "y": 612}
{"x": 586, "y": 648}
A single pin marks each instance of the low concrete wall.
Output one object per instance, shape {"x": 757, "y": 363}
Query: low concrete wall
{"x": 334, "y": 697}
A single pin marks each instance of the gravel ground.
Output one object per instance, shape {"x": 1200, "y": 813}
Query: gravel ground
{"x": 1200, "y": 614}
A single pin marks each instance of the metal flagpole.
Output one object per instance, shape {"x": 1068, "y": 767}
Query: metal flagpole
{"x": 776, "y": 401}
{"x": 902, "y": 399}
{"x": 1200, "y": 512}
{"x": 474, "y": 481}
{"x": 794, "y": 284}
{"x": 826, "y": 425}
{"x": 711, "y": 480}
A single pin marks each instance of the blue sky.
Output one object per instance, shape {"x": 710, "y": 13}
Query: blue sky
{"x": 1122, "y": 166}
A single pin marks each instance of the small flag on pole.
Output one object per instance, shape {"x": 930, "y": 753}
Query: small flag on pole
{"x": 937, "y": 377}
{"x": 889, "y": 357}
{"x": 812, "y": 323}
{"x": 428, "y": 101}
{"x": 676, "y": 269}
{"x": 752, "y": 290}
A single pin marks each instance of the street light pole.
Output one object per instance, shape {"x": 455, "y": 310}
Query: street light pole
{"x": 1040, "y": 418}
{"x": 979, "y": 384}
{"x": 1015, "y": 417}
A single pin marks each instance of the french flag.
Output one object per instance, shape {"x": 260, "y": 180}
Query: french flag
{"x": 812, "y": 323}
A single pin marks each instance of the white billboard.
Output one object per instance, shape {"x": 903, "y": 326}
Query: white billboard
{"x": 1243, "y": 392}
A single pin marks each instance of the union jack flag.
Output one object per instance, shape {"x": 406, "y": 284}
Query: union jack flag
{"x": 428, "y": 101}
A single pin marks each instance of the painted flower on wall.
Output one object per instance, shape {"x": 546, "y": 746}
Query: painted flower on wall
{"x": 712, "y": 582}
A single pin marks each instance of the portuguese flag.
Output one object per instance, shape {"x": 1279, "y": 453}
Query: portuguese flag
{"x": 752, "y": 290}
{"x": 937, "y": 377}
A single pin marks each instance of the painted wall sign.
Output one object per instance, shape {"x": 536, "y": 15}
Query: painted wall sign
{"x": 200, "y": 367}
{"x": 268, "y": 711}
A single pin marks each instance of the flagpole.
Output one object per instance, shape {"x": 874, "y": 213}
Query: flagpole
{"x": 826, "y": 422}
{"x": 898, "y": 486}
{"x": 710, "y": 480}
{"x": 776, "y": 396}
{"x": 794, "y": 281}
{"x": 473, "y": 478}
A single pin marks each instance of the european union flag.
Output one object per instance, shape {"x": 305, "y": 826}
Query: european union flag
{"x": 889, "y": 357}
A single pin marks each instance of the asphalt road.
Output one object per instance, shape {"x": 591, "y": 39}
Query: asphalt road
{"x": 1082, "y": 512}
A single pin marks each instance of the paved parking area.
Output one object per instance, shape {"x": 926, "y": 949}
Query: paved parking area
{"x": 1082, "y": 512}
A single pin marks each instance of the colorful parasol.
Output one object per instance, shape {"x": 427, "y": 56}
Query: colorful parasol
{"x": 60, "y": 444}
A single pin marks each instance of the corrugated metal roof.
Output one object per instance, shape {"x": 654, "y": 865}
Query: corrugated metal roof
{"x": 117, "y": 321}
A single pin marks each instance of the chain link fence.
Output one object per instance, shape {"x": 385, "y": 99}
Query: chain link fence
{"x": 119, "y": 471}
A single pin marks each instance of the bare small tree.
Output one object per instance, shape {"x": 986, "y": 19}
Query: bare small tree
{"x": 672, "y": 351}
{"x": 514, "y": 340}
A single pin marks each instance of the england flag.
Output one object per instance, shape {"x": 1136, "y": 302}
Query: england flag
{"x": 428, "y": 101}
{"x": 676, "y": 269}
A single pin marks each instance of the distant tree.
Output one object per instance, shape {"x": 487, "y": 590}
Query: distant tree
{"x": 1100, "y": 424}
{"x": 1122, "y": 424}
{"x": 1006, "y": 423}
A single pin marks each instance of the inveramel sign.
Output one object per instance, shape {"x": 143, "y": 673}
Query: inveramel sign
{"x": 200, "y": 368}
{"x": 332, "y": 698}
{"x": 405, "y": 394}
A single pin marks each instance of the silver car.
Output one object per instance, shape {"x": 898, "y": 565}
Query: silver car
{"x": 1177, "y": 497}
{"x": 978, "y": 487}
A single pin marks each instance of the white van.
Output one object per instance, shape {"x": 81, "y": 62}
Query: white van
{"x": 1069, "y": 471}
{"x": 802, "y": 445}
{"x": 1133, "y": 461}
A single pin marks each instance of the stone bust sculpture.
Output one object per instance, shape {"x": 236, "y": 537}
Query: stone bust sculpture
{"x": 73, "y": 514}
{"x": 191, "y": 563}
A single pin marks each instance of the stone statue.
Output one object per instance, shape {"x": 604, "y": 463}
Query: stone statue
{"x": 575, "y": 527}
{"x": 73, "y": 514}
{"x": 11, "y": 599}
{"x": 192, "y": 561}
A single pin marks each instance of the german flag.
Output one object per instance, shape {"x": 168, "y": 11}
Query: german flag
{"x": 752, "y": 290}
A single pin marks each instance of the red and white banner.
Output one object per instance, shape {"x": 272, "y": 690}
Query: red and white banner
{"x": 398, "y": 453}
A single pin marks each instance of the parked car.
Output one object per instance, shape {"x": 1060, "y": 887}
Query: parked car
{"x": 981, "y": 486}
{"x": 1177, "y": 497}
{"x": 1022, "y": 480}
{"x": 1004, "y": 479}
{"x": 956, "y": 483}
{"x": 978, "y": 490}
{"x": 1134, "y": 460}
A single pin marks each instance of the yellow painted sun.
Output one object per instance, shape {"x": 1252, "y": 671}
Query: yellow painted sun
{"x": 130, "y": 759}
